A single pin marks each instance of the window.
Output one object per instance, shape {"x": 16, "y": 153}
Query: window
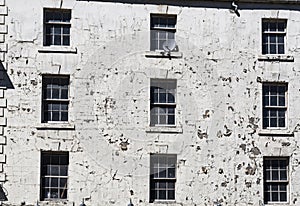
{"x": 274, "y": 105}
{"x": 162, "y": 29}
{"x": 273, "y": 36}
{"x": 54, "y": 175}
{"x": 163, "y": 104}
{"x": 276, "y": 179}
{"x": 55, "y": 98}
{"x": 57, "y": 27}
{"x": 162, "y": 177}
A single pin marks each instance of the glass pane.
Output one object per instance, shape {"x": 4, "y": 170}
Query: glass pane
{"x": 281, "y": 26}
{"x": 54, "y": 193}
{"x": 274, "y": 196}
{"x": 63, "y": 170}
{"x": 266, "y": 101}
{"x": 54, "y": 182}
{"x": 281, "y": 49}
{"x": 46, "y": 181}
{"x": 66, "y": 17}
{"x": 162, "y": 98}
{"x": 64, "y": 116}
{"x": 281, "y": 101}
{"x": 63, "y": 182}
{"x": 54, "y": 170}
{"x": 162, "y": 119}
{"x": 171, "y": 22}
{"x": 265, "y": 26}
{"x": 273, "y": 39}
{"x": 282, "y": 188}
{"x": 265, "y": 49}
{"x": 63, "y": 193}
{"x": 283, "y": 175}
{"x": 171, "y": 119}
{"x": 162, "y": 185}
{"x": 267, "y": 175}
{"x": 162, "y": 194}
{"x": 57, "y": 30}
{"x": 171, "y": 98}
{"x": 283, "y": 196}
{"x": 273, "y": 101}
{"x": 171, "y": 195}
{"x": 171, "y": 173}
{"x": 162, "y": 172}
{"x": 162, "y": 161}
{"x": 55, "y": 94}
{"x": 275, "y": 175}
{"x": 280, "y": 39}
{"x": 66, "y": 40}
{"x": 55, "y": 116}
{"x": 57, "y": 40}
{"x": 273, "y": 122}
{"x": 281, "y": 122}
{"x": 273, "y": 49}
{"x": 272, "y": 26}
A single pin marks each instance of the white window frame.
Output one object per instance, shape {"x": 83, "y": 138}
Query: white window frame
{"x": 155, "y": 176}
{"x": 56, "y": 23}
{"x": 274, "y": 108}
{"x": 61, "y": 190}
{"x": 276, "y": 33}
{"x": 163, "y": 105}
{"x": 156, "y": 44}
{"x": 278, "y": 182}
{"x": 46, "y": 101}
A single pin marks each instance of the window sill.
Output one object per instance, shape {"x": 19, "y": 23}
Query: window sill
{"x": 55, "y": 202}
{"x": 276, "y": 57}
{"x": 275, "y": 132}
{"x": 59, "y": 126}
{"x": 164, "y": 202}
{"x": 162, "y": 54}
{"x": 58, "y": 49}
{"x": 164, "y": 129}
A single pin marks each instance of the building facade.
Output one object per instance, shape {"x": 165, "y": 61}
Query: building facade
{"x": 150, "y": 102}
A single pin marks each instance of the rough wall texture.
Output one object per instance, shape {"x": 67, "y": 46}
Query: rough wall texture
{"x": 218, "y": 137}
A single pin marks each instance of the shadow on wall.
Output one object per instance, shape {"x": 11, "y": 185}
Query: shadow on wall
{"x": 4, "y": 78}
{"x": 212, "y": 4}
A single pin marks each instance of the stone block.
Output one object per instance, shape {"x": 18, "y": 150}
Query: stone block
{"x": 3, "y": 47}
{"x": 3, "y": 10}
{"x": 3, "y": 29}
{"x": 2, "y": 2}
{"x": 1, "y": 92}
{"x": 2, "y": 38}
{"x": 1, "y": 112}
{"x": 2, "y": 140}
{"x": 3, "y": 103}
{"x": 3, "y": 121}
{"x": 2, "y": 158}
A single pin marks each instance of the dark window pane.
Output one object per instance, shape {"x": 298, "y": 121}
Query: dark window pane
{"x": 64, "y": 116}
{"x": 54, "y": 193}
{"x": 162, "y": 195}
{"x": 171, "y": 194}
{"x": 57, "y": 40}
{"x": 283, "y": 196}
{"x": 281, "y": 122}
{"x": 171, "y": 119}
{"x": 63, "y": 194}
{"x": 273, "y": 49}
{"x": 63, "y": 182}
{"x": 281, "y": 26}
{"x": 63, "y": 170}
{"x": 272, "y": 26}
{"x": 54, "y": 170}
{"x": 171, "y": 173}
{"x": 274, "y": 196}
{"x": 273, "y": 122}
{"x": 283, "y": 175}
{"x": 66, "y": 40}
{"x": 281, "y": 101}
{"x": 55, "y": 116}
{"x": 267, "y": 177}
{"x": 281, "y": 49}
{"x": 54, "y": 182}
{"x": 162, "y": 173}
